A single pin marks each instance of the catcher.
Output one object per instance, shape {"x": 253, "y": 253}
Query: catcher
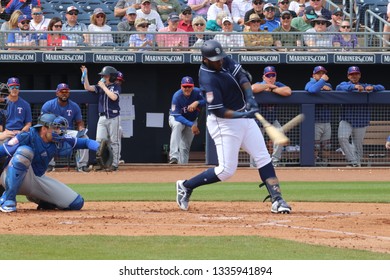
{"x": 28, "y": 155}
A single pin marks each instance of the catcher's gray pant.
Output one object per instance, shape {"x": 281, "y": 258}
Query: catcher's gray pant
{"x": 181, "y": 139}
{"x": 109, "y": 129}
{"x": 353, "y": 152}
{"x": 44, "y": 188}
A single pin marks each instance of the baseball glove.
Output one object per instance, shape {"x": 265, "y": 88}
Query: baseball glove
{"x": 104, "y": 155}
{"x": 4, "y": 88}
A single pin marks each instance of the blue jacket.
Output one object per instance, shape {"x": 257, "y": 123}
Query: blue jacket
{"x": 322, "y": 112}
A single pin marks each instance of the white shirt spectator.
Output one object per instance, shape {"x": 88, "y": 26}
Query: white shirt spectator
{"x": 154, "y": 19}
{"x": 99, "y": 39}
{"x": 214, "y": 10}
{"x": 231, "y": 41}
{"x": 239, "y": 8}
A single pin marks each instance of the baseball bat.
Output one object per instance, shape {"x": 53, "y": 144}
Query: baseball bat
{"x": 293, "y": 122}
{"x": 277, "y": 136}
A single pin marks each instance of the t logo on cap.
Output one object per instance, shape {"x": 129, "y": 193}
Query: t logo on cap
{"x": 187, "y": 81}
{"x": 353, "y": 69}
{"x": 13, "y": 82}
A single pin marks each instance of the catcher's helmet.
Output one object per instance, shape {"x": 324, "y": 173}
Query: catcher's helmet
{"x": 45, "y": 120}
{"x": 109, "y": 71}
{"x": 212, "y": 50}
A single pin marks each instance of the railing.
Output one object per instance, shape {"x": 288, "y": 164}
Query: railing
{"x": 369, "y": 21}
{"x": 232, "y": 41}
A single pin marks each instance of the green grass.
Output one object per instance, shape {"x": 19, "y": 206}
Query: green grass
{"x": 171, "y": 248}
{"x": 208, "y": 248}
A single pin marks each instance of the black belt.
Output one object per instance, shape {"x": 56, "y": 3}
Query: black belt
{"x": 102, "y": 114}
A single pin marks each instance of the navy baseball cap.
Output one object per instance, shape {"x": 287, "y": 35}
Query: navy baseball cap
{"x": 62, "y": 86}
{"x": 120, "y": 76}
{"x": 269, "y": 69}
{"x": 23, "y": 18}
{"x": 13, "y": 82}
{"x": 318, "y": 69}
{"x": 173, "y": 17}
{"x": 353, "y": 69}
{"x": 310, "y": 13}
{"x": 187, "y": 81}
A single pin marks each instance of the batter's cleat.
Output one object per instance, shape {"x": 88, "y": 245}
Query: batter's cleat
{"x": 280, "y": 206}
{"x": 50, "y": 168}
{"x": 183, "y": 195}
{"x": 173, "y": 161}
{"x": 8, "y": 206}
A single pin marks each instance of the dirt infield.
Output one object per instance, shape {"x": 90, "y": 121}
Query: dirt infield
{"x": 344, "y": 225}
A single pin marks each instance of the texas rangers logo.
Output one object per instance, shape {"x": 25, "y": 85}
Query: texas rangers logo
{"x": 187, "y": 80}
{"x": 209, "y": 96}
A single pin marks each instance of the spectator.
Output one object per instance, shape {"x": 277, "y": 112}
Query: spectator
{"x": 197, "y": 40}
{"x": 121, "y": 7}
{"x": 126, "y": 26}
{"x": 299, "y": 6}
{"x": 141, "y": 41}
{"x": 336, "y": 20}
{"x": 23, "y": 6}
{"x": 185, "y": 108}
{"x": 19, "y": 116}
{"x": 303, "y": 23}
{"x": 172, "y": 41}
{"x": 322, "y": 129}
{"x": 72, "y": 24}
{"x": 98, "y": 25}
{"x": 269, "y": 111}
{"x": 286, "y": 39}
{"x": 200, "y": 7}
{"x": 257, "y": 8}
{"x": 9, "y": 25}
{"x": 152, "y": 16}
{"x": 216, "y": 8}
{"x": 239, "y": 8}
{"x": 38, "y": 22}
{"x": 22, "y": 40}
{"x": 64, "y": 107}
{"x": 386, "y": 28}
{"x": 54, "y": 40}
{"x": 216, "y": 25}
{"x": 254, "y": 42}
{"x": 284, "y": 7}
{"x": 232, "y": 42}
{"x": 320, "y": 11}
{"x": 318, "y": 42}
{"x": 270, "y": 21}
{"x": 354, "y": 118}
{"x": 345, "y": 40}
{"x": 166, "y": 7}
{"x": 185, "y": 22}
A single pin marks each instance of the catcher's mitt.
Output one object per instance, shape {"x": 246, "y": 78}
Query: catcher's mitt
{"x": 104, "y": 155}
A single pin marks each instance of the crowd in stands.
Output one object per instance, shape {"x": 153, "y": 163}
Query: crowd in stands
{"x": 249, "y": 25}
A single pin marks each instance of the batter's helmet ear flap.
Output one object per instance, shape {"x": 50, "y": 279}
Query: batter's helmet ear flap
{"x": 109, "y": 71}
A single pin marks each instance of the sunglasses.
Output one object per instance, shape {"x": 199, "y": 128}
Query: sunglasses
{"x": 338, "y": 15}
{"x": 227, "y": 23}
{"x": 316, "y": 0}
{"x": 187, "y": 87}
{"x": 199, "y": 24}
{"x": 37, "y": 14}
{"x": 146, "y": 3}
{"x": 143, "y": 25}
{"x": 257, "y": 3}
{"x": 270, "y": 10}
{"x": 345, "y": 26}
{"x": 270, "y": 75}
{"x": 286, "y": 17}
{"x": 321, "y": 22}
{"x": 73, "y": 13}
{"x": 57, "y": 25}
{"x": 65, "y": 91}
{"x": 186, "y": 13}
{"x": 25, "y": 22}
{"x": 100, "y": 16}
{"x": 14, "y": 87}
{"x": 284, "y": 3}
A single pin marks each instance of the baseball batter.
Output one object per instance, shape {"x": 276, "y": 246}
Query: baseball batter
{"x": 185, "y": 108}
{"x": 230, "y": 122}
{"x": 70, "y": 110}
{"x": 29, "y": 154}
{"x": 109, "y": 111}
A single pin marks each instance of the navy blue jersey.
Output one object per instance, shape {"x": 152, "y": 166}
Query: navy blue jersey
{"x": 18, "y": 114}
{"x": 71, "y": 111}
{"x": 106, "y": 105}
{"x": 222, "y": 88}
{"x": 180, "y": 105}
{"x": 356, "y": 115}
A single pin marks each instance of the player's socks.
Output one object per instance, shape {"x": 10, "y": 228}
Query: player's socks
{"x": 204, "y": 178}
{"x": 267, "y": 171}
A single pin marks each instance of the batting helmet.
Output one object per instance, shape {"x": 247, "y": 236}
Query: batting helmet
{"x": 212, "y": 50}
{"x": 109, "y": 71}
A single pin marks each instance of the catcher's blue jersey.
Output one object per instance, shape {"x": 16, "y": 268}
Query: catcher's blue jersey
{"x": 71, "y": 111}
